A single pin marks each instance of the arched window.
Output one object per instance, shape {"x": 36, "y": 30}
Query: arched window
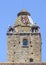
{"x": 25, "y": 42}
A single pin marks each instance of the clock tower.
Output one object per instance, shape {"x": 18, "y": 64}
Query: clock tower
{"x": 24, "y": 40}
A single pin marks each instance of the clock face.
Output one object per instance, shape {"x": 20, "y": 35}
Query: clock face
{"x": 24, "y": 19}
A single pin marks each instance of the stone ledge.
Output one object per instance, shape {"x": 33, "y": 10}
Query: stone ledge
{"x": 13, "y": 63}
{"x": 24, "y": 33}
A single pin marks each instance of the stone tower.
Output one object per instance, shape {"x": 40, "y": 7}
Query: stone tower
{"x": 24, "y": 40}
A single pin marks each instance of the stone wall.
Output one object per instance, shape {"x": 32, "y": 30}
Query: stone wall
{"x": 16, "y": 51}
{"x": 10, "y": 63}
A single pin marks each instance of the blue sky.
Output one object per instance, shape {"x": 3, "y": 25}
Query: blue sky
{"x": 8, "y": 15}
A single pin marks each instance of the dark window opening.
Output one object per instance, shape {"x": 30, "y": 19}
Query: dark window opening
{"x": 32, "y": 29}
{"x": 31, "y": 46}
{"x": 14, "y": 45}
{"x": 11, "y": 29}
{"x": 25, "y": 60}
{"x": 19, "y": 42}
{"x": 14, "y": 52}
{"x": 32, "y": 53}
{"x": 25, "y": 42}
{"x": 30, "y": 42}
{"x": 31, "y": 60}
{"x": 35, "y": 29}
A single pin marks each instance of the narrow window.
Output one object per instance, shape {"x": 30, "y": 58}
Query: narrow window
{"x": 25, "y": 60}
{"x": 25, "y": 42}
{"x": 14, "y": 52}
{"x": 19, "y": 42}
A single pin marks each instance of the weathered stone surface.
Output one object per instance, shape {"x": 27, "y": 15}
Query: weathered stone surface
{"x": 13, "y": 63}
